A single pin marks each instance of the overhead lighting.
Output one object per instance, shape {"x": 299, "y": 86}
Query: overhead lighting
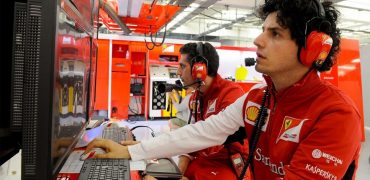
{"x": 359, "y": 4}
{"x": 122, "y": 7}
{"x": 182, "y": 15}
{"x": 130, "y": 8}
{"x": 128, "y": 24}
{"x": 354, "y": 15}
{"x": 112, "y": 14}
{"x": 356, "y": 61}
{"x": 347, "y": 67}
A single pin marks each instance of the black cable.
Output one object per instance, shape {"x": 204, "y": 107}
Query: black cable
{"x": 201, "y": 104}
{"x": 191, "y": 114}
{"x": 156, "y": 34}
{"x": 133, "y": 136}
{"x": 151, "y": 5}
{"x": 195, "y": 94}
{"x": 137, "y": 104}
{"x": 146, "y": 43}
{"x": 197, "y": 99}
{"x": 170, "y": 106}
{"x": 262, "y": 114}
{"x": 215, "y": 18}
{"x": 135, "y": 81}
{"x": 196, "y": 107}
{"x": 131, "y": 110}
{"x": 151, "y": 38}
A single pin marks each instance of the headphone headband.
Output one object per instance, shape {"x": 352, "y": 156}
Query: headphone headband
{"x": 199, "y": 64}
{"x": 317, "y": 45}
{"x": 200, "y": 48}
{"x": 199, "y": 56}
{"x": 320, "y": 14}
{"x": 320, "y": 9}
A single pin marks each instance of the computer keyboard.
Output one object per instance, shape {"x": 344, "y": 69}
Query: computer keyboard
{"x": 116, "y": 134}
{"x": 115, "y": 169}
{"x": 107, "y": 168}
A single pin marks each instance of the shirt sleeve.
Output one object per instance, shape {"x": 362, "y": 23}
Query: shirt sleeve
{"x": 213, "y": 131}
{"x": 184, "y": 103}
{"x": 328, "y": 151}
{"x": 231, "y": 96}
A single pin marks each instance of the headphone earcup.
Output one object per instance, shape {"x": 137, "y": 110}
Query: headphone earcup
{"x": 199, "y": 71}
{"x": 318, "y": 45}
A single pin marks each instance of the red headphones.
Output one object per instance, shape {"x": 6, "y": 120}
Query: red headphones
{"x": 317, "y": 49}
{"x": 199, "y": 64}
{"x": 317, "y": 44}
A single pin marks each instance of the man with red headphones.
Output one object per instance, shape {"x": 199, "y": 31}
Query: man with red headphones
{"x": 198, "y": 67}
{"x": 298, "y": 126}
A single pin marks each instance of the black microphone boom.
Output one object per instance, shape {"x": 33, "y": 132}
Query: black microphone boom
{"x": 249, "y": 61}
{"x": 164, "y": 87}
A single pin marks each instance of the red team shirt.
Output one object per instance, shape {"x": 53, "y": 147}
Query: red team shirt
{"x": 214, "y": 162}
{"x": 310, "y": 126}
{"x": 312, "y": 131}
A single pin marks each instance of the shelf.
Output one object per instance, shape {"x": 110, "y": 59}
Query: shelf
{"x": 137, "y": 76}
{"x": 131, "y": 95}
{"x": 155, "y": 62}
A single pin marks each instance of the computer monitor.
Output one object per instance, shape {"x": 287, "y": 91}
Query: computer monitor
{"x": 11, "y": 131}
{"x": 55, "y": 70}
{"x": 92, "y": 78}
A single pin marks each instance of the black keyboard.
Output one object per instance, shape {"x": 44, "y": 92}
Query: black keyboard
{"x": 115, "y": 169}
{"x": 116, "y": 134}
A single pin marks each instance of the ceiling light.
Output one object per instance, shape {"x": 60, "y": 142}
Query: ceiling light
{"x": 113, "y": 15}
{"x": 130, "y": 8}
{"x": 356, "y": 61}
{"x": 360, "y": 4}
{"x": 347, "y": 67}
{"x": 182, "y": 15}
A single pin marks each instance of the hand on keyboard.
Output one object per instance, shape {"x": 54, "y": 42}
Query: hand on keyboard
{"x": 128, "y": 143}
{"x": 92, "y": 154}
{"x": 113, "y": 149}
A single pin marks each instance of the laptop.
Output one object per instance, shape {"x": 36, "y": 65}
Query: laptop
{"x": 164, "y": 168}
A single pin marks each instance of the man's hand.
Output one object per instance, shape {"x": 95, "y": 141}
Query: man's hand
{"x": 183, "y": 163}
{"x": 113, "y": 149}
{"x": 128, "y": 143}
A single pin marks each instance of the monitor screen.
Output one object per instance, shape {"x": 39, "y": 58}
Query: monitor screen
{"x": 48, "y": 69}
{"x": 72, "y": 66}
{"x": 56, "y": 73}
{"x": 92, "y": 78}
{"x": 11, "y": 53}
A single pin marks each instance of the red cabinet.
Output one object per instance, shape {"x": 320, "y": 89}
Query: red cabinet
{"x": 101, "y": 99}
{"x": 120, "y": 94}
{"x": 129, "y": 79}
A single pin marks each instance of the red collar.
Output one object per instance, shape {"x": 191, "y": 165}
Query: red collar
{"x": 308, "y": 83}
{"x": 214, "y": 85}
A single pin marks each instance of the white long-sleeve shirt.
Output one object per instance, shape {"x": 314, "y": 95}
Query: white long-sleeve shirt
{"x": 183, "y": 111}
{"x": 302, "y": 138}
{"x": 192, "y": 137}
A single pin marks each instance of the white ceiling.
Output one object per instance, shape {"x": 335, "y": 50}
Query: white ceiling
{"x": 233, "y": 22}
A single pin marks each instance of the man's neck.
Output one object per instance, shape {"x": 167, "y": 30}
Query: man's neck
{"x": 283, "y": 81}
{"x": 207, "y": 83}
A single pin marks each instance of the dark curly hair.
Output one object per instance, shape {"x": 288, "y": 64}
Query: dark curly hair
{"x": 293, "y": 14}
{"x": 209, "y": 52}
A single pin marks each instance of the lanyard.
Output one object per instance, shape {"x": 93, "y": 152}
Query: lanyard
{"x": 261, "y": 119}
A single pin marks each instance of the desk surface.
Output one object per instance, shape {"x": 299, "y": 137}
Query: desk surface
{"x": 72, "y": 166}
{"x": 11, "y": 170}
